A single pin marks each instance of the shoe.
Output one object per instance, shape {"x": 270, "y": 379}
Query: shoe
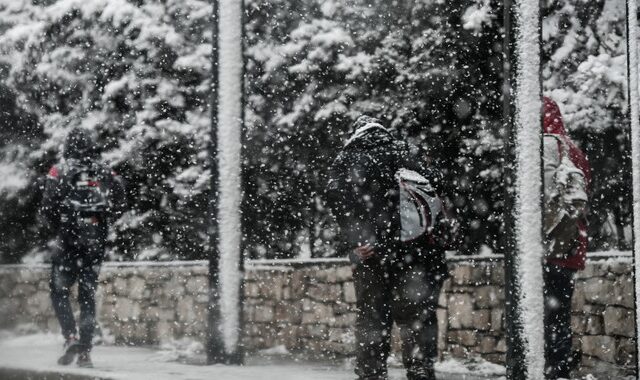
{"x": 71, "y": 349}
{"x": 421, "y": 374}
{"x": 84, "y": 360}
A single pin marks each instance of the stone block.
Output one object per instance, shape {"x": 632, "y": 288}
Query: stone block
{"x": 349, "y": 292}
{"x": 501, "y": 346}
{"x": 287, "y": 312}
{"x": 598, "y": 290}
{"x": 497, "y": 275}
{"x": 137, "y": 288}
{"x": 626, "y": 352}
{"x": 623, "y": 294}
{"x": 600, "y": 346}
{"x": 467, "y": 338}
{"x": 442, "y": 299}
{"x": 120, "y": 286}
{"x": 345, "y": 320}
{"x": 578, "y": 300}
{"x": 619, "y": 321}
{"x": 460, "y": 311}
{"x": 497, "y": 322}
{"x": 126, "y": 309}
{"x": 341, "y": 307}
{"x": 486, "y": 345}
{"x": 461, "y": 274}
{"x": 443, "y": 325}
{"x": 488, "y": 296}
{"x": 621, "y": 267}
{"x": 186, "y": 311}
{"x": 482, "y": 320}
{"x": 344, "y": 273}
{"x": 325, "y": 292}
{"x": 39, "y": 303}
{"x": 197, "y": 284}
{"x": 578, "y": 324}
{"x": 24, "y": 290}
{"x": 323, "y": 313}
{"x": 263, "y": 313}
{"x": 593, "y": 325}
{"x": 481, "y": 273}
{"x": 251, "y": 290}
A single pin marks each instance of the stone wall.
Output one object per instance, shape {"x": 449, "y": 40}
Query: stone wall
{"x": 137, "y": 303}
{"x": 310, "y": 307}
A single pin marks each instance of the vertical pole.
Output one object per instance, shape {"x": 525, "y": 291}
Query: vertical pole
{"x": 523, "y": 190}
{"x": 633, "y": 97}
{"x": 214, "y": 344}
{"x": 227, "y": 119}
{"x": 230, "y": 128}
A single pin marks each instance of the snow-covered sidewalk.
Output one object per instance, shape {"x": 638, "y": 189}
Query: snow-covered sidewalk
{"x": 37, "y": 353}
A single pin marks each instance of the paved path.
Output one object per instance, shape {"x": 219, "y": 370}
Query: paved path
{"x": 36, "y": 356}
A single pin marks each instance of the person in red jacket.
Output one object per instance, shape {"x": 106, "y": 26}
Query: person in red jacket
{"x": 567, "y": 176}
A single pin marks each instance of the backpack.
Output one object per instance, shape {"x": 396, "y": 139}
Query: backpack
{"x": 565, "y": 205}
{"x": 420, "y": 208}
{"x": 85, "y": 204}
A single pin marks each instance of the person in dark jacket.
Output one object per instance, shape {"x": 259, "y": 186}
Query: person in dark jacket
{"x": 81, "y": 198}
{"x": 394, "y": 280}
{"x": 565, "y": 226}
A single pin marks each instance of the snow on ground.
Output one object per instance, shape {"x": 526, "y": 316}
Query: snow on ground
{"x": 38, "y": 353}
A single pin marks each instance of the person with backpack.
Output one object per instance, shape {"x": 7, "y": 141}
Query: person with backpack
{"x": 567, "y": 175}
{"x": 384, "y": 197}
{"x": 81, "y": 198}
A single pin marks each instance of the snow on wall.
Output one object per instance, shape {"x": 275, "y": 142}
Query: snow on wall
{"x": 634, "y": 100}
{"x": 230, "y": 67}
{"x": 528, "y": 185}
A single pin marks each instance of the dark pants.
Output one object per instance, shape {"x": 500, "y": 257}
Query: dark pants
{"x": 558, "y": 290}
{"x": 64, "y": 273}
{"x": 408, "y": 296}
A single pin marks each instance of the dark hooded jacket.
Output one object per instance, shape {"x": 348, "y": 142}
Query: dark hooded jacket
{"x": 362, "y": 191}
{"x": 80, "y": 156}
{"x": 553, "y": 124}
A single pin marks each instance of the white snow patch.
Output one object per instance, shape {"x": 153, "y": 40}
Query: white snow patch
{"x": 280, "y": 349}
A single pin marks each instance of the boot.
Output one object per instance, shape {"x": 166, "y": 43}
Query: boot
{"x": 421, "y": 374}
{"x": 71, "y": 349}
{"x": 84, "y": 360}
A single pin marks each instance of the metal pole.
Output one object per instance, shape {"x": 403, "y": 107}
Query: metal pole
{"x": 633, "y": 97}
{"x": 515, "y": 362}
{"x": 523, "y": 191}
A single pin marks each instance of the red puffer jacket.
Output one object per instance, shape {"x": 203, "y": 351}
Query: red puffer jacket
{"x": 552, "y": 123}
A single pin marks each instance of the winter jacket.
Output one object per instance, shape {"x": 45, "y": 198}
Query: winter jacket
{"x": 362, "y": 191}
{"x": 55, "y": 208}
{"x": 557, "y": 144}
{"x": 81, "y": 197}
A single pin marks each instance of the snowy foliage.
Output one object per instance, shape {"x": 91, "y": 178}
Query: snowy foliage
{"x": 138, "y": 74}
{"x": 584, "y": 70}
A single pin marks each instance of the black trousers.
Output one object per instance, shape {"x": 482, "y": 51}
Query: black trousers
{"x": 408, "y": 296}
{"x": 558, "y": 290}
{"x": 64, "y": 274}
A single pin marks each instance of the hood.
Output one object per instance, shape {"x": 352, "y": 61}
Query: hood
{"x": 368, "y": 130}
{"x": 552, "y": 120}
{"x": 552, "y": 123}
{"x": 79, "y": 145}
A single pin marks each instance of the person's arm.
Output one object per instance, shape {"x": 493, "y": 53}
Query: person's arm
{"x": 348, "y": 196}
{"x": 51, "y": 198}
{"x": 118, "y": 198}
